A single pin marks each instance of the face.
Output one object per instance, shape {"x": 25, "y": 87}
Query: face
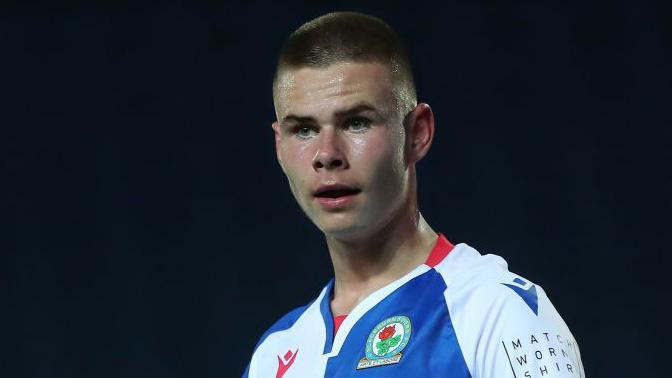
{"x": 340, "y": 141}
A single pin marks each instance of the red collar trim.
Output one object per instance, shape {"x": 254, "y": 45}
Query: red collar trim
{"x": 441, "y": 249}
{"x": 338, "y": 320}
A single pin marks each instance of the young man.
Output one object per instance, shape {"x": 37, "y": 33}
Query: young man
{"x": 404, "y": 300}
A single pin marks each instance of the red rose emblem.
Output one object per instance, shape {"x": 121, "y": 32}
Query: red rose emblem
{"x": 386, "y": 333}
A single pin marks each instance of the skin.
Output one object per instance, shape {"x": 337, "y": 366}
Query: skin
{"x": 345, "y": 124}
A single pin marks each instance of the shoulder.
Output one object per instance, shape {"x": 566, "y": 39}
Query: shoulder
{"x": 294, "y": 320}
{"x": 284, "y": 323}
{"x": 503, "y": 320}
{"x": 473, "y": 279}
{"x": 298, "y": 324}
{"x": 484, "y": 282}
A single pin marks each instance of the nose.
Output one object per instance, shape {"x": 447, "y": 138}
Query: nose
{"x": 329, "y": 154}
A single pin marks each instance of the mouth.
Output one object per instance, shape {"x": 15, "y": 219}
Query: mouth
{"x": 336, "y": 197}
{"x": 337, "y": 193}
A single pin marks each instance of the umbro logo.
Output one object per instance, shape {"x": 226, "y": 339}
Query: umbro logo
{"x": 285, "y": 362}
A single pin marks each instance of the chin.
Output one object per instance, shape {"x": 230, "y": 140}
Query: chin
{"x": 344, "y": 231}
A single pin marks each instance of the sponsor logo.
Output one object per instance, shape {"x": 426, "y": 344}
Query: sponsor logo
{"x": 386, "y": 341}
{"x": 541, "y": 354}
{"x": 285, "y": 362}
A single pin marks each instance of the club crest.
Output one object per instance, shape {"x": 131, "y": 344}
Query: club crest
{"x": 386, "y": 341}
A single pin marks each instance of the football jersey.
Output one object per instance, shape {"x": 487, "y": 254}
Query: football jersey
{"x": 460, "y": 314}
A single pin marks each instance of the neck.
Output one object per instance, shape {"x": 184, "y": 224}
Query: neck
{"x": 364, "y": 266}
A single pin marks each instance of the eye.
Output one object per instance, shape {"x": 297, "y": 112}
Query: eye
{"x": 358, "y": 124}
{"x": 303, "y": 132}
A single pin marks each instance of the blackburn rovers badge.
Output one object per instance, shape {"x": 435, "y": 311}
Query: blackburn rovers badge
{"x": 386, "y": 341}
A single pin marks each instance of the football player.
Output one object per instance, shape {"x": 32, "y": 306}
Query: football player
{"x": 404, "y": 301}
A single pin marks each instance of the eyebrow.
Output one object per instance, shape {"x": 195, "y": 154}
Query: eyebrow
{"x": 355, "y": 109}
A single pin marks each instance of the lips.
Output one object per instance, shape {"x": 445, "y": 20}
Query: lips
{"x": 335, "y": 191}
{"x": 336, "y": 198}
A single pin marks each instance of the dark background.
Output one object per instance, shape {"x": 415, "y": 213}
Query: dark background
{"x": 148, "y": 231}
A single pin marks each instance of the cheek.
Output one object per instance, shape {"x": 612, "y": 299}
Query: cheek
{"x": 383, "y": 161}
{"x": 297, "y": 161}
{"x": 296, "y": 156}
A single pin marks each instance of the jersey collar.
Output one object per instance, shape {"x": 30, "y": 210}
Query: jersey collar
{"x": 441, "y": 249}
{"x": 333, "y": 343}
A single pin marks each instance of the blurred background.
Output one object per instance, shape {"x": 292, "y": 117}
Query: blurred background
{"x": 147, "y": 230}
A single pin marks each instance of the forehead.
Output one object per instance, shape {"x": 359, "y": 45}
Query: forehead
{"x": 309, "y": 90}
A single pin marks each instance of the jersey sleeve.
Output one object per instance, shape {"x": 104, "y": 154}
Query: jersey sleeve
{"x": 507, "y": 327}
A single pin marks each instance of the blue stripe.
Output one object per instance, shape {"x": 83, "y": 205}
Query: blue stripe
{"x": 529, "y": 296}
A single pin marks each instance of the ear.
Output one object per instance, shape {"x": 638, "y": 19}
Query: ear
{"x": 276, "y": 131}
{"x": 420, "y": 132}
